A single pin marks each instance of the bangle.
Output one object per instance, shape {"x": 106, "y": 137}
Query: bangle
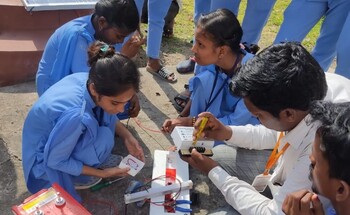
{"x": 194, "y": 119}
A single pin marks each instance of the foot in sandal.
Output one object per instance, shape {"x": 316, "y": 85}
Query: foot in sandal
{"x": 154, "y": 67}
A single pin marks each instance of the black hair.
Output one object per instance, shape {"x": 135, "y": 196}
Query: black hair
{"x": 279, "y": 77}
{"x": 122, "y": 14}
{"x": 334, "y": 134}
{"x": 222, "y": 27}
{"x": 111, "y": 72}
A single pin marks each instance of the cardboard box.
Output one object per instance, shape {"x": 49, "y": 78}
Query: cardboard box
{"x": 183, "y": 139}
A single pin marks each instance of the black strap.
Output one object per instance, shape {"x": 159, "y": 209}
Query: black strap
{"x": 99, "y": 113}
{"x": 210, "y": 101}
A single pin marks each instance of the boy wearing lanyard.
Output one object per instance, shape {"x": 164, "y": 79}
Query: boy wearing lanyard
{"x": 278, "y": 86}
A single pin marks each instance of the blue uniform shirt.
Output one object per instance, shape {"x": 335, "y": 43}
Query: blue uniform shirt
{"x": 63, "y": 131}
{"x": 65, "y": 52}
{"x": 229, "y": 109}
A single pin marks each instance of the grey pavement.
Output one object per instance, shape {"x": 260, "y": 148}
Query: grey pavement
{"x": 156, "y": 98}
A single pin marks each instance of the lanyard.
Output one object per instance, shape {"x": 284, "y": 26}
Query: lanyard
{"x": 99, "y": 114}
{"x": 211, "y": 100}
{"x": 212, "y": 90}
{"x": 275, "y": 155}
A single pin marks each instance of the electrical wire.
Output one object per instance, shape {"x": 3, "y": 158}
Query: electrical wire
{"x": 138, "y": 122}
{"x": 172, "y": 199}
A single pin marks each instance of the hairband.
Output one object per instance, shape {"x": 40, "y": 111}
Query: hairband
{"x": 104, "y": 48}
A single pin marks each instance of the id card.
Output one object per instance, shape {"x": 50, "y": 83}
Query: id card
{"x": 260, "y": 182}
{"x": 132, "y": 162}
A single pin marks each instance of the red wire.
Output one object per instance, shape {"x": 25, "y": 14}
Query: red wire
{"x": 173, "y": 198}
{"x": 145, "y": 128}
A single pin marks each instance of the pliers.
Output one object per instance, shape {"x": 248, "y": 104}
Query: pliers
{"x": 180, "y": 202}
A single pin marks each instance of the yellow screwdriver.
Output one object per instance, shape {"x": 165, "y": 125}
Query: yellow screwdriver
{"x": 201, "y": 128}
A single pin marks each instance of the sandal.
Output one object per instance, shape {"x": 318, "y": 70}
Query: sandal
{"x": 163, "y": 73}
{"x": 168, "y": 32}
{"x": 180, "y": 100}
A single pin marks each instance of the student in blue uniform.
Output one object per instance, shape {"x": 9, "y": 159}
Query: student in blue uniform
{"x": 255, "y": 18}
{"x": 218, "y": 35}
{"x": 302, "y": 15}
{"x": 157, "y": 10}
{"x": 256, "y": 15}
{"x": 343, "y": 48}
{"x": 68, "y": 134}
{"x": 65, "y": 52}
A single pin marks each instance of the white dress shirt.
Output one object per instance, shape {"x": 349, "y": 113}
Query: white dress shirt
{"x": 292, "y": 170}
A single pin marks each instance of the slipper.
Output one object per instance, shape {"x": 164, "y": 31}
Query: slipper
{"x": 168, "y": 32}
{"x": 163, "y": 73}
{"x": 186, "y": 66}
{"x": 180, "y": 101}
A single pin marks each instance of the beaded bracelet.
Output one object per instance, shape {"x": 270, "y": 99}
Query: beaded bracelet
{"x": 194, "y": 119}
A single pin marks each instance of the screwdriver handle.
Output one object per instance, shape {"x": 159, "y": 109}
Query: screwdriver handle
{"x": 201, "y": 128}
{"x": 99, "y": 186}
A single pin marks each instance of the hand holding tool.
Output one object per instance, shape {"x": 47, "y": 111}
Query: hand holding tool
{"x": 201, "y": 128}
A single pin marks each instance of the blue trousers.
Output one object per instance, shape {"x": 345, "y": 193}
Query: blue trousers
{"x": 343, "y": 48}
{"x": 157, "y": 10}
{"x": 302, "y": 15}
{"x": 255, "y": 18}
{"x": 206, "y": 6}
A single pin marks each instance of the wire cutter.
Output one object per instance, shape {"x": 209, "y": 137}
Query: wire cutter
{"x": 180, "y": 202}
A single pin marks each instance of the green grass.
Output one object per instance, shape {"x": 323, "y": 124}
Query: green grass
{"x": 184, "y": 26}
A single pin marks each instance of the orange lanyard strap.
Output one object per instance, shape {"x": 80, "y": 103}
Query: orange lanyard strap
{"x": 275, "y": 155}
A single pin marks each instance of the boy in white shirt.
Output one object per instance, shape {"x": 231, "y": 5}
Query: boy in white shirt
{"x": 330, "y": 170}
{"x": 278, "y": 87}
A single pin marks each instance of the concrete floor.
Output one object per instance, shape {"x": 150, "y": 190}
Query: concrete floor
{"x": 156, "y": 101}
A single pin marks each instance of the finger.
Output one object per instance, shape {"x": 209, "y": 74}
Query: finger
{"x": 205, "y": 114}
{"x": 286, "y": 204}
{"x": 166, "y": 123}
{"x": 123, "y": 170}
{"x": 143, "y": 41}
{"x": 142, "y": 157}
{"x": 305, "y": 202}
{"x": 172, "y": 148}
{"x": 196, "y": 156}
{"x": 317, "y": 205}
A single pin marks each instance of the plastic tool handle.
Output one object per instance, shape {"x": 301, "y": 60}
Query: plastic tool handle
{"x": 99, "y": 186}
{"x": 201, "y": 128}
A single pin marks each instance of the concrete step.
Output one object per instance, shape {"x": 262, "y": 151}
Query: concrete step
{"x": 20, "y": 52}
{"x": 13, "y": 16}
{"x": 23, "y": 36}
